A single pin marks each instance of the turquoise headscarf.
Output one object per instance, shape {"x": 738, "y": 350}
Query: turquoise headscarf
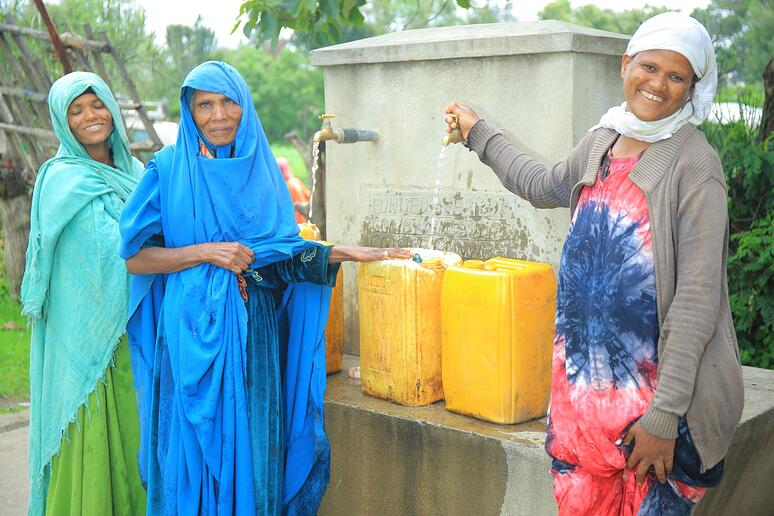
{"x": 75, "y": 288}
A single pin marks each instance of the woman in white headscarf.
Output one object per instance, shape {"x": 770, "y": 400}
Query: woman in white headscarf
{"x": 646, "y": 383}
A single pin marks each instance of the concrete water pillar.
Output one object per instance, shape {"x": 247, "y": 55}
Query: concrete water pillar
{"x": 543, "y": 83}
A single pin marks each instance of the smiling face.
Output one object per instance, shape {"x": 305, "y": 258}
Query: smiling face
{"x": 216, "y": 116}
{"x": 657, "y": 83}
{"x": 90, "y": 120}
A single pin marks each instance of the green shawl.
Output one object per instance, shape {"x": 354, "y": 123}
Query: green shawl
{"x": 75, "y": 287}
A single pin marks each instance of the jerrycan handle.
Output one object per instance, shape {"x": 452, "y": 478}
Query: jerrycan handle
{"x": 473, "y": 264}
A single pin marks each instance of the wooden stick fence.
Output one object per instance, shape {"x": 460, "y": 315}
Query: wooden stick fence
{"x": 25, "y": 83}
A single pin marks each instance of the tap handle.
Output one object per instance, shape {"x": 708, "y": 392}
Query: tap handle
{"x": 326, "y": 119}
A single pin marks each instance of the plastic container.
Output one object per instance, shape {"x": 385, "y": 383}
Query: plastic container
{"x": 309, "y": 231}
{"x": 498, "y": 329}
{"x": 400, "y": 327}
{"x": 334, "y": 330}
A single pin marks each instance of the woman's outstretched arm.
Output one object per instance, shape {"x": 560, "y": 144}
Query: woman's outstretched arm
{"x": 543, "y": 186}
{"x": 346, "y": 253}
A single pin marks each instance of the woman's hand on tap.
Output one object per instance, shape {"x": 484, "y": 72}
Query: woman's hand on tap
{"x": 466, "y": 118}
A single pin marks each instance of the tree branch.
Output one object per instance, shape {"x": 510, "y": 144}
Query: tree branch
{"x": 413, "y": 17}
{"x": 445, "y": 3}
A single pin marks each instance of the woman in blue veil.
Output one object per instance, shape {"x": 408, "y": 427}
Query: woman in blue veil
{"x": 227, "y": 314}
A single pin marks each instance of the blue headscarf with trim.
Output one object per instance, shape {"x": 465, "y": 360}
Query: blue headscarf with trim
{"x": 196, "y": 443}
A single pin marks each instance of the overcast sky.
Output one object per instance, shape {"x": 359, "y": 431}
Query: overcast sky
{"x": 222, "y": 17}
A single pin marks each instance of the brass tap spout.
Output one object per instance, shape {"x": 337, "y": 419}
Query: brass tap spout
{"x": 328, "y": 133}
{"x": 456, "y": 135}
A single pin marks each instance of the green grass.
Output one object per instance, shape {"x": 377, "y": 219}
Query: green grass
{"x": 14, "y": 347}
{"x": 750, "y": 95}
{"x": 295, "y": 160}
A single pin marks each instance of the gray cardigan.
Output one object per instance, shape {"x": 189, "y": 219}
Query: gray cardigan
{"x": 699, "y": 373}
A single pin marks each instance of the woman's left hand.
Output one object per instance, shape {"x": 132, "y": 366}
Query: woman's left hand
{"x": 649, "y": 450}
{"x": 343, "y": 253}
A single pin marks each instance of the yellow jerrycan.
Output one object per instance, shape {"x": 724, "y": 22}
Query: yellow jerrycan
{"x": 400, "y": 327}
{"x": 334, "y": 330}
{"x": 498, "y": 330}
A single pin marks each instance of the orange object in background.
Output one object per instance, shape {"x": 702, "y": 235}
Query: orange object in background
{"x": 400, "y": 327}
{"x": 498, "y": 329}
{"x": 334, "y": 329}
{"x": 299, "y": 193}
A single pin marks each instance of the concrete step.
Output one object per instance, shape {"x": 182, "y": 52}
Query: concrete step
{"x": 387, "y": 459}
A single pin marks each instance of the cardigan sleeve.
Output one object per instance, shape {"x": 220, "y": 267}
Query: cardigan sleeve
{"x": 542, "y": 186}
{"x": 701, "y": 236}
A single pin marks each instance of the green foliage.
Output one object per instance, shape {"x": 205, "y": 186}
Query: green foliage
{"x": 747, "y": 94}
{"x": 187, "y": 47}
{"x": 749, "y": 167}
{"x": 625, "y": 22}
{"x": 750, "y": 270}
{"x": 742, "y": 33}
{"x": 318, "y": 23}
{"x": 287, "y": 92}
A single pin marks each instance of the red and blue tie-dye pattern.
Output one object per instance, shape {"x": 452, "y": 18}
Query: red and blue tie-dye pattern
{"x": 605, "y": 353}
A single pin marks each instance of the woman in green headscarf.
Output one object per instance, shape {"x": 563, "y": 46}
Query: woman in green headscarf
{"x": 84, "y": 431}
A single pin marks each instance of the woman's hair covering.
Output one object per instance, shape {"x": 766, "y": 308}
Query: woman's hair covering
{"x": 73, "y": 254}
{"x": 680, "y": 33}
{"x": 191, "y": 199}
{"x": 63, "y": 92}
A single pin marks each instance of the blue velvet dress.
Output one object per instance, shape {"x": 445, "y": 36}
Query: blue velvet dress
{"x": 265, "y": 288}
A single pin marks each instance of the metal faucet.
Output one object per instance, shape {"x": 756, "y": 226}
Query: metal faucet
{"x": 456, "y": 135}
{"x": 328, "y": 133}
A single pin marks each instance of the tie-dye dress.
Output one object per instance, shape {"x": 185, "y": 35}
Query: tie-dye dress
{"x": 605, "y": 359}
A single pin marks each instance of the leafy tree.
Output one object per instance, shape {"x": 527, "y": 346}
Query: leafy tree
{"x": 408, "y": 14}
{"x": 742, "y": 33}
{"x": 187, "y": 47}
{"x": 322, "y": 22}
{"x": 287, "y": 92}
{"x": 589, "y": 15}
{"x": 749, "y": 167}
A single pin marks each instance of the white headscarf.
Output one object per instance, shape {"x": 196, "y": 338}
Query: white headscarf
{"x": 682, "y": 34}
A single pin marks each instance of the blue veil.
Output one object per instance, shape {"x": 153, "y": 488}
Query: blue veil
{"x": 187, "y": 330}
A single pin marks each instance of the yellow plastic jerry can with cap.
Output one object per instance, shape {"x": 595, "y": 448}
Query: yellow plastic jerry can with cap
{"x": 400, "y": 327}
{"x": 498, "y": 329}
{"x": 334, "y": 329}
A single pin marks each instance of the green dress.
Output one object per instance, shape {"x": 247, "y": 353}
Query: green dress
{"x": 96, "y": 469}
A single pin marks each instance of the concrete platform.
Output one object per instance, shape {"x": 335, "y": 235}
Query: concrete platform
{"x": 393, "y": 460}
